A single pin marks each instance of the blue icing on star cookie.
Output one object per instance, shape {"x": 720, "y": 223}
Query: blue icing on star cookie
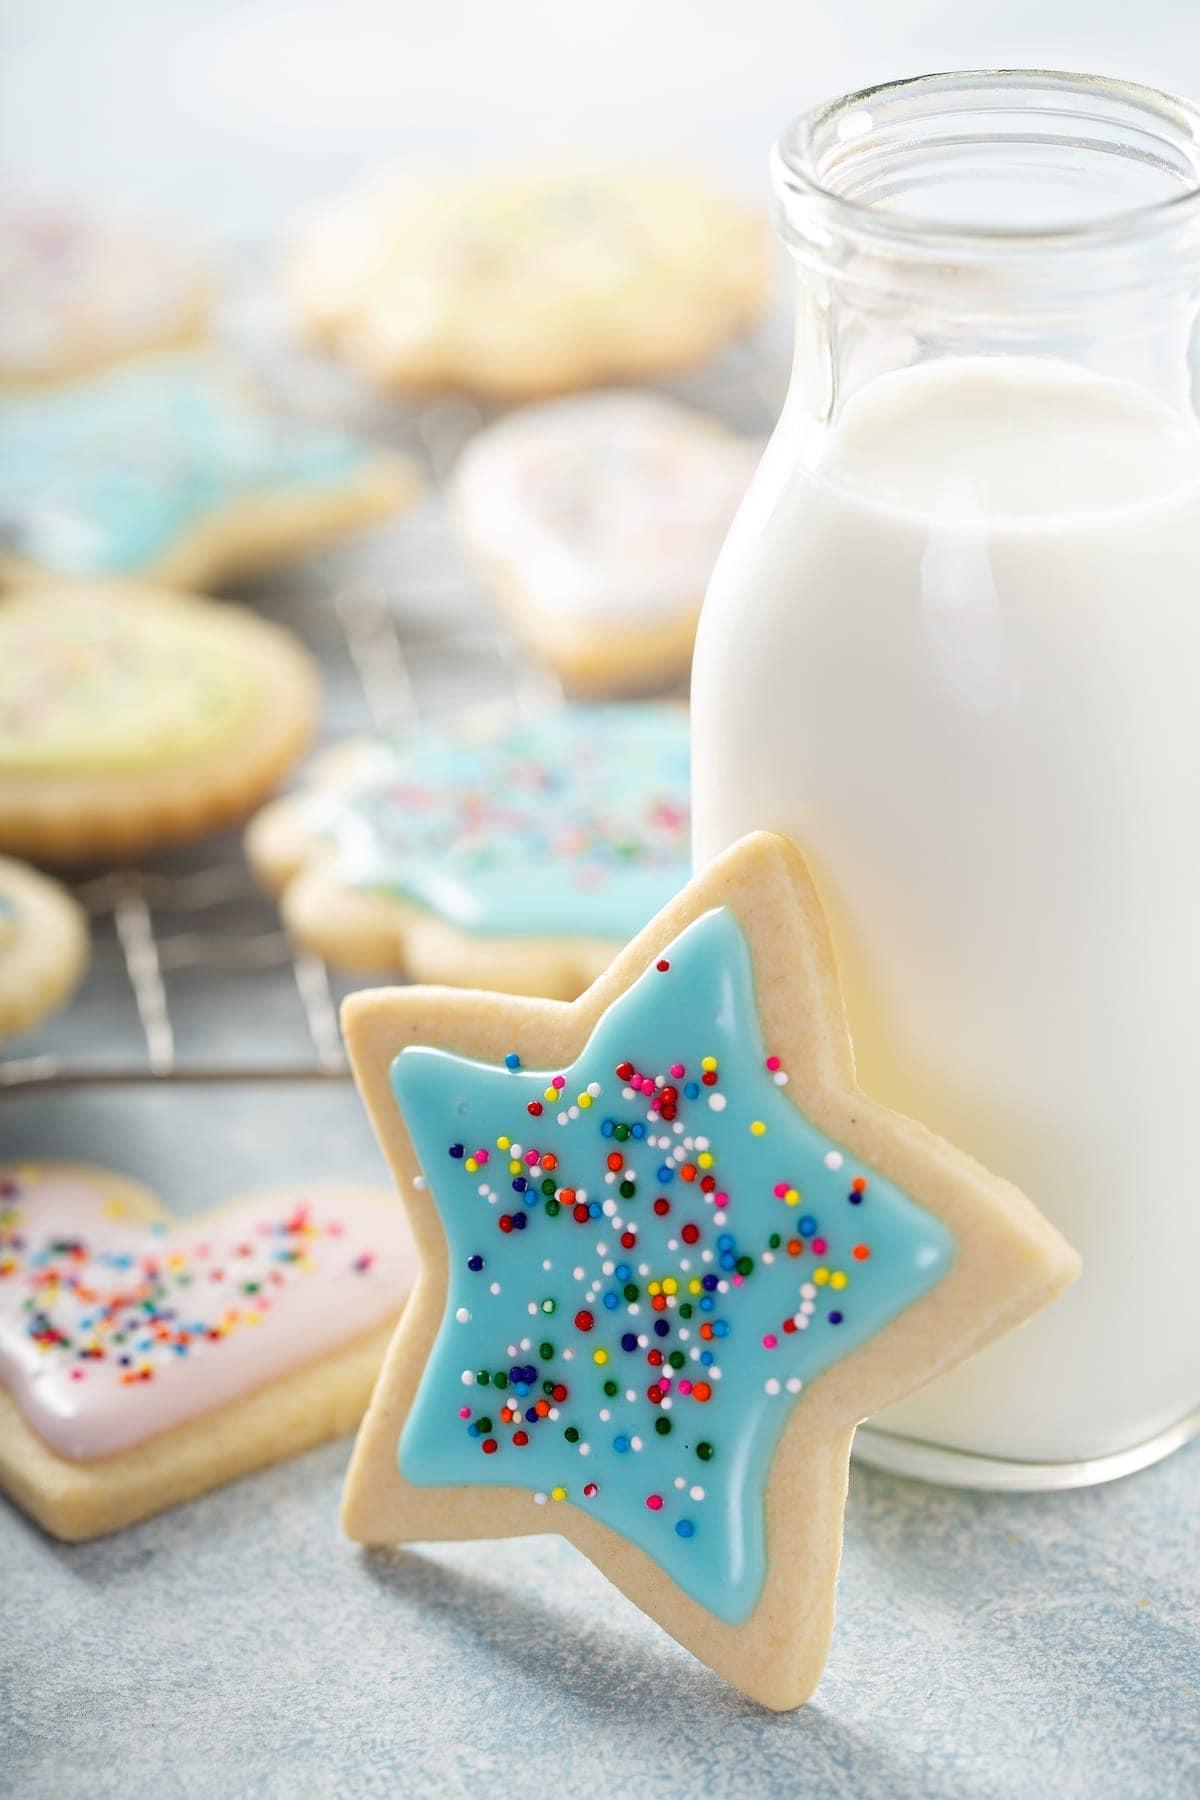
{"x": 651, "y": 1255}
{"x": 100, "y": 477}
{"x": 573, "y": 824}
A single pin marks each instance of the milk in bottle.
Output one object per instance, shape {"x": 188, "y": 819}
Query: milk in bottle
{"x": 952, "y": 648}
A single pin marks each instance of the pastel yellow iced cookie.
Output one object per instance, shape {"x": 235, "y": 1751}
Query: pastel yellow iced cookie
{"x": 144, "y": 1360}
{"x": 596, "y": 521}
{"x": 171, "y": 468}
{"x": 519, "y": 283}
{"x": 132, "y": 718}
{"x": 671, "y": 1256}
{"x": 78, "y": 291}
{"x": 43, "y": 946}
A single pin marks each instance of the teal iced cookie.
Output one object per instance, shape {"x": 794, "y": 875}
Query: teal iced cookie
{"x": 520, "y": 853}
{"x": 171, "y": 469}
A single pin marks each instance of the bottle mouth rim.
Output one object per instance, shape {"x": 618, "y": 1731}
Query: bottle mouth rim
{"x": 820, "y": 143}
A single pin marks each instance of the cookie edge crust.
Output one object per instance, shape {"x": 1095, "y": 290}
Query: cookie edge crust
{"x": 715, "y": 305}
{"x": 529, "y": 372}
{"x": 79, "y": 1501}
{"x": 59, "y": 952}
{"x": 92, "y": 357}
{"x": 595, "y": 658}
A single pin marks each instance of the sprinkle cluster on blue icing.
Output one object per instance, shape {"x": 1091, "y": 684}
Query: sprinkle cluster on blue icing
{"x": 651, "y": 1254}
{"x": 574, "y": 823}
{"x": 100, "y": 477}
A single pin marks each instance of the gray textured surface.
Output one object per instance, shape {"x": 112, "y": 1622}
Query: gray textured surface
{"x": 986, "y": 1646}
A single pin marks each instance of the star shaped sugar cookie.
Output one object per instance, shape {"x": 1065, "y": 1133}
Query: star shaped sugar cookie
{"x": 173, "y": 468}
{"x": 671, "y": 1256}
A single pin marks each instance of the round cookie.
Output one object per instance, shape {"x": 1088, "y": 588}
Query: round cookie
{"x": 77, "y": 292}
{"x": 171, "y": 469}
{"x": 43, "y": 946}
{"x": 132, "y": 718}
{"x": 493, "y": 853}
{"x": 520, "y": 283}
{"x": 596, "y": 521}
{"x": 145, "y": 1360}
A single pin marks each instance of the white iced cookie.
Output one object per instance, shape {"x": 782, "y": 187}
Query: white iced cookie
{"x": 77, "y": 292}
{"x": 145, "y": 1360}
{"x": 596, "y": 522}
{"x": 43, "y": 946}
{"x": 521, "y": 283}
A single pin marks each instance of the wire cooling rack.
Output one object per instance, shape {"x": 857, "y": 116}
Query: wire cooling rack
{"x": 193, "y": 981}
{"x": 158, "y": 930}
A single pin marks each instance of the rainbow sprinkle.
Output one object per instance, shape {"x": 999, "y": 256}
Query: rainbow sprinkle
{"x": 653, "y": 1252}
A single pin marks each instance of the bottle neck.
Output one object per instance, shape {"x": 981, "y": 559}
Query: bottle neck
{"x": 999, "y": 215}
{"x": 846, "y": 339}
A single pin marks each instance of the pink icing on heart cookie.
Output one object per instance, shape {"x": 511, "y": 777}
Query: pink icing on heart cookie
{"x": 116, "y": 1325}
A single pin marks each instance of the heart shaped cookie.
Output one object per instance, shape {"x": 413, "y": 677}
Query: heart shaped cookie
{"x": 143, "y": 1360}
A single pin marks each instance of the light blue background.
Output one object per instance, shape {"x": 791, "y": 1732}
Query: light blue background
{"x": 988, "y": 1647}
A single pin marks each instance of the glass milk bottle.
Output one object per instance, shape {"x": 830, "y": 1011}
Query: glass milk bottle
{"x": 952, "y": 648}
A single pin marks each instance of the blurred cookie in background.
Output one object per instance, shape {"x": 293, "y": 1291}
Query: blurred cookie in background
{"x": 596, "y": 523}
{"x": 523, "y": 282}
{"x": 171, "y": 468}
{"x": 43, "y": 947}
{"x": 492, "y": 851}
{"x": 133, "y": 718}
{"x": 79, "y": 290}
